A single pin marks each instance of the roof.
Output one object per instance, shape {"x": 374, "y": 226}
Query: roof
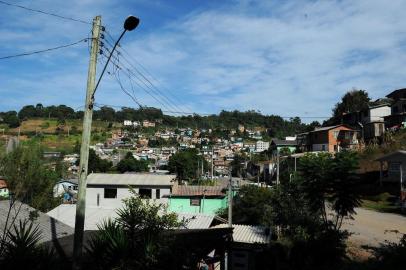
{"x": 65, "y": 213}
{"x": 50, "y": 228}
{"x": 397, "y": 155}
{"x": 248, "y": 234}
{"x": 395, "y": 92}
{"x": 328, "y": 128}
{"x": 3, "y": 184}
{"x": 284, "y": 142}
{"x": 142, "y": 179}
{"x": 198, "y": 191}
{"x": 196, "y": 221}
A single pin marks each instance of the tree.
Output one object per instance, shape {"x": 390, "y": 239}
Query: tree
{"x": 11, "y": 119}
{"x": 26, "y": 112}
{"x": 96, "y": 164}
{"x": 29, "y": 177}
{"x": 352, "y": 101}
{"x": 130, "y": 164}
{"x": 324, "y": 178}
{"x": 185, "y": 164}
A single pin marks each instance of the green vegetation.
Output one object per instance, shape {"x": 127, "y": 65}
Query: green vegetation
{"x": 130, "y": 164}
{"x": 29, "y": 177}
{"x": 308, "y": 238}
{"x": 383, "y": 202}
{"x": 185, "y": 164}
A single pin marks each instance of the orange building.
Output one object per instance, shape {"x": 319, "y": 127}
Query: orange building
{"x": 333, "y": 138}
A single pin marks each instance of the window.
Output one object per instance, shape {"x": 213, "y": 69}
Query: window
{"x": 335, "y": 134}
{"x": 145, "y": 193}
{"x": 394, "y": 167}
{"x": 110, "y": 193}
{"x": 157, "y": 193}
{"x": 195, "y": 202}
{"x": 323, "y": 148}
{"x": 348, "y": 135}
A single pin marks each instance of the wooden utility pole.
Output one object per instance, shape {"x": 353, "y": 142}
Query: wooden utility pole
{"x": 84, "y": 151}
{"x": 230, "y": 201}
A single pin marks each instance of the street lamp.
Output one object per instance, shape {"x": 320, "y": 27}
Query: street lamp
{"x": 129, "y": 24}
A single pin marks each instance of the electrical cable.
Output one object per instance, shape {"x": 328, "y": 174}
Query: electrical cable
{"x": 44, "y": 50}
{"x": 45, "y": 12}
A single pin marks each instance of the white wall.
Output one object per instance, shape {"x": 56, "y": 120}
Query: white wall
{"x": 377, "y": 114}
{"x": 122, "y": 193}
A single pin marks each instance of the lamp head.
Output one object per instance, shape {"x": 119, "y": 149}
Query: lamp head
{"x": 131, "y": 23}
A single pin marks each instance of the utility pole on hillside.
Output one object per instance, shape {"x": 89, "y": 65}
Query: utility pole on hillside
{"x": 84, "y": 150}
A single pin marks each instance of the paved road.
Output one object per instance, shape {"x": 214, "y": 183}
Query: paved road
{"x": 372, "y": 228}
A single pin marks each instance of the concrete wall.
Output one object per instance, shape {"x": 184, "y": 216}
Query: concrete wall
{"x": 377, "y": 114}
{"x": 122, "y": 193}
{"x": 207, "y": 206}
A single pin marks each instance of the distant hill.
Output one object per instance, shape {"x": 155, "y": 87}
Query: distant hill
{"x": 52, "y": 119}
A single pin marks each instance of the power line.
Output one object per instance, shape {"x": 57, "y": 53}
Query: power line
{"x": 142, "y": 80}
{"x": 44, "y": 50}
{"x": 45, "y": 12}
{"x": 144, "y": 76}
{"x": 130, "y": 74}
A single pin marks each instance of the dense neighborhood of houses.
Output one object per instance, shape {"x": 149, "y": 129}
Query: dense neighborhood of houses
{"x": 198, "y": 205}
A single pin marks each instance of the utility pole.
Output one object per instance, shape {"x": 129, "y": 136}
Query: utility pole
{"x": 230, "y": 201}
{"x": 277, "y": 166}
{"x": 84, "y": 151}
{"x": 212, "y": 165}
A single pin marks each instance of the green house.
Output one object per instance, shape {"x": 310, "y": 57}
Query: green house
{"x": 197, "y": 199}
{"x": 279, "y": 145}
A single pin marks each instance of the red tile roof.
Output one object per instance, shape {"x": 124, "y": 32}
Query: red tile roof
{"x": 198, "y": 191}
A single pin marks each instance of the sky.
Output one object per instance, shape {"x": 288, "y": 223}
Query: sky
{"x": 289, "y": 58}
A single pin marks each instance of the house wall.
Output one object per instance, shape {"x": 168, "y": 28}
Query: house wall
{"x": 122, "y": 193}
{"x": 207, "y": 206}
{"x": 377, "y": 114}
{"x": 328, "y": 140}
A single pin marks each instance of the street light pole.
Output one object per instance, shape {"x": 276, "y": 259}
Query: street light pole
{"x": 130, "y": 23}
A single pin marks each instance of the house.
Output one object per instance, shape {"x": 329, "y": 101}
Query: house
{"x": 3, "y": 188}
{"x": 248, "y": 248}
{"x": 373, "y": 120}
{"x": 397, "y": 118}
{"x": 147, "y": 123}
{"x": 333, "y": 138}
{"x": 261, "y": 146}
{"x": 109, "y": 190}
{"x": 277, "y": 145}
{"x": 197, "y": 199}
{"x": 396, "y": 164}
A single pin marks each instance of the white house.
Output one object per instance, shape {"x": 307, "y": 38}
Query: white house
{"x": 108, "y": 190}
{"x": 261, "y": 146}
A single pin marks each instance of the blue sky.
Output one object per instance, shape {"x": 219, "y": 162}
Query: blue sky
{"x": 291, "y": 58}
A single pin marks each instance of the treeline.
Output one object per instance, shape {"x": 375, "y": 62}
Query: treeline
{"x": 276, "y": 125}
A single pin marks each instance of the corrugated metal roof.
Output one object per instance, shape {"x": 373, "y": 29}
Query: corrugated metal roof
{"x": 142, "y": 179}
{"x": 397, "y": 154}
{"x": 65, "y": 213}
{"x": 196, "y": 221}
{"x": 198, "y": 191}
{"x": 248, "y": 234}
{"x": 50, "y": 228}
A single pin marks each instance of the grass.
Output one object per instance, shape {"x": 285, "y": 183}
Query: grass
{"x": 383, "y": 202}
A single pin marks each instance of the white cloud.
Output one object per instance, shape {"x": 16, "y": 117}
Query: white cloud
{"x": 294, "y": 58}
